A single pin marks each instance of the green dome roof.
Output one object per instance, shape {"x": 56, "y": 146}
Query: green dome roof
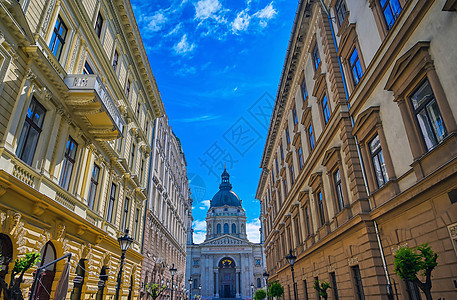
{"x": 225, "y": 195}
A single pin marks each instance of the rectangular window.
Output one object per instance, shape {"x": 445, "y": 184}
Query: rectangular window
{"x": 119, "y": 145}
{"x": 138, "y": 109}
{"x": 196, "y": 262}
{"x": 318, "y": 296}
{"x": 305, "y": 290}
{"x": 338, "y": 189}
{"x": 356, "y": 67}
{"x": 304, "y": 91}
{"x": 125, "y": 214}
{"x": 111, "y": 201}
{"x": 127, "y": 89}
{"x": 87, "y": 69}
{"x": 334, "y": 286}
{"x": 292, "y": 179}
{"x": 297, "y": 230}
{"x": 300, "y": 157}
{"x": 287, "y": 135}
{"x": 257, "y": 261}
{"x": 316, "y": 57}
{"x": 99, "y": 24}
{"x": 31, "y": 131}
{"x": 142, "y": 170}
{"x": 311, "y": 137}
{"x": 137, "y": 223}
{"x": 340, "y": 11}
{"x": 58, "y": 38}
{"x": 115, "y": 60}
{"x": 320, "y": 207}
{"x": 93, "y": 186}
{"x": 377, "y": 159}
{"x": 277, "y": 165}
{"x": 325, "y": 109}
{"x": 358, "y": 283}
{"x": 285, "y": 188}
{"x": 132, "y": 157}
{"x": 294, "y": 115}
{"x": 308, "y": 221}
{"x": 390, "y": 9}
{"x": 68, "y": 163}
{"x": 428, "y": 115}
{"x": 282, "y": 152}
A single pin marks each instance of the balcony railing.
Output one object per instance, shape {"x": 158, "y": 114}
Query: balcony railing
{"x": 91, "y": 101}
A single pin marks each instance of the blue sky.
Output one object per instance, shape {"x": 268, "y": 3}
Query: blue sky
{"x": 217, "y": 64}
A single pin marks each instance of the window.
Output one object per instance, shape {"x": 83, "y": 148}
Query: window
{"x": 390, "y": 10}
{"x": 334, "y": 286}
{"x": 318, "y": 295}
{"x": 285, "y": 188}
{"x": 311, "y": 137}
{"x": 308, "y": 221}
{"x": 93, "y": 186}
{"x": 125, "y": 214}
{"x": 87, "y": 69}
{"x": 258, "y": 261}
{"x": 358, "y": 283}
{"x": 259, "y": 283}
{"x": 31, "y": 131}
{"x": 142, "y": 170}
{"x": 119, "y": 145}
{"x": 127, "y": 89}
{"x": 300, "y": 157}
{"x": 233, "y": 228}
{"x": 99, "y": 24}
{"x": 196, "y": 262}
{"x": 304, "y": 91}
{"x": 138, "y": 109}
{"x": 292, "y": 179}
{"x": 340, "y": 11}
{"x": 282, "y": 152}
{"x": 428, "y": 115}
{"x": 338, "y": 189}
{"x": 115, "y": 60}
{"x": 356, "y": 67}
{"x": 297, "y": 230}
{"x": 316, "y": 57}
{"x": 320, "y": 207}
{"x": 132, "y": 157}
{"x": 277, "y": 165}
{"x": 195, "y": 283}
{"x": 111, "y": 201}
{"x": 218, "y": 228}
{"x": 137, "y": 223}
{"x": 226, "y": 228}
{"x": 58, "y": 38}
{"x": 68, "y": 163}
{"x": 305, "y": 290}
{"x": 287, "y": 135}
{"x": 294, "y": 115}
{"x": 325, "y": 109}
{"x": 377, "y": 159}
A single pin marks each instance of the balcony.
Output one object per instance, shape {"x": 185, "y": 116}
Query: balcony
{"x": 92, "y": 104}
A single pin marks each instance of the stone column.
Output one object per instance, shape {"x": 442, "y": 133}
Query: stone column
{"x": 216, "y": 292}
{"x": 237, "y": 284}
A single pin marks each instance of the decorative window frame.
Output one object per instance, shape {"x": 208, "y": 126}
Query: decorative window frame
{"x": 317, "y": 185}
{"x": 319, "y": 91}
{"x": 367, "y": 126}
{"x": 305, "y": 201}
{"x": 345, "y": 22}
{"x": 410, "y": 70}
{"x": 68, "y": 46}
{"x": 348, "y": 42}
{"x": 307, "y": 121}
{"x": 379, "y": 16}
{"x": 317, "y": 69}
{"x": 450, "y": 5}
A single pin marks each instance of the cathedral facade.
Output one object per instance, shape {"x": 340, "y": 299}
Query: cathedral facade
{"x": 226, "y": 265}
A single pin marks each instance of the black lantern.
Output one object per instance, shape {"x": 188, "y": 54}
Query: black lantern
{"x": 124, "y": 242}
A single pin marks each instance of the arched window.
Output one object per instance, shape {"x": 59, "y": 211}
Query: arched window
{"x": 259, "y": 283}
{"x": 48, "y": 254}
{"x": 218, "y": 228}
{"x": 226, "y": 228}
{"x": 233, "y": 228}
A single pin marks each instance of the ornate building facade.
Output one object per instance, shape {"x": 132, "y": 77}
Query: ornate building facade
{"x": 361, "y": 155}
{"x": 78, "y": 100}
{"x": 226, "y": 264}
{"x": 167, "y": 211}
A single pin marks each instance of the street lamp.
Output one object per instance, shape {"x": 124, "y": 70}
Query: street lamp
{"x": 190, "y": 287}
{"x": 124, "y": 242}
{"x": 265, "y": 275}
{"x": 252, "y": 290}
{"x": 172, "y": 272}
{"x": 291, "y": 259}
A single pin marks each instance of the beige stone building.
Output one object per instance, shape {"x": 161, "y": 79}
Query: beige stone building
{"x": 167, "y": 212}
{"x": 77, "y": 104}
{"x": 361, "y": 153}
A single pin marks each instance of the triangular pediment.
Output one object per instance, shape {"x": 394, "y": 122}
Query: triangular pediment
{"x": 226, "y": 240}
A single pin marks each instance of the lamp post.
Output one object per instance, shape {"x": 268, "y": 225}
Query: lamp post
{"x": 172, "y": 272}
{"x": 291, "y": 259}
{"x": 124, "y": 242}
{"x": 252, "y": 290}
{"x": 200, "y": 288}
{"x": 265, "y": 275}
{"x": 190, "y": 287}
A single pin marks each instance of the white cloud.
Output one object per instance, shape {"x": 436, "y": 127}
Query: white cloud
{"x": 266, "y": 14}
{"x": 183, "y": 46}
{"x": 241, "y": 22}
{"x": 252, "y": 230}
{"x": 156, "y": 22}
{"x": 205, "y": 9}
{"x": 205, "y": 204}
{"x": 175, "y": 30}
{"x": 199, "y": 227}
{"x": 199, "y": 237}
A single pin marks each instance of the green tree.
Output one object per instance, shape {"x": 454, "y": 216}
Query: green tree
{"x": 154, "y": 290}
{"x": 260, "y": 295}
{"x": 411, "y": 262}
{"x": 276, "y": 290}
{"x": 322, "y": 287}
{"x": 21, "y": 265}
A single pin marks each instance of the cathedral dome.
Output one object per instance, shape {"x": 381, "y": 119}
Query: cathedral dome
{"x": 225, "y": 195}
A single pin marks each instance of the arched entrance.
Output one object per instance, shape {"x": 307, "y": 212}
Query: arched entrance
{"x": 44, "y": 288}
{"x": 6, "y": 256}
{"x": 227, "y": 277}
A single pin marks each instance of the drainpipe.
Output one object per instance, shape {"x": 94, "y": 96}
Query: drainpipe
{"x": 378, "y": 237}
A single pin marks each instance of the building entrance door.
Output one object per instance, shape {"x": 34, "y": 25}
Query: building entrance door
{"x": 227, "y": 275}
